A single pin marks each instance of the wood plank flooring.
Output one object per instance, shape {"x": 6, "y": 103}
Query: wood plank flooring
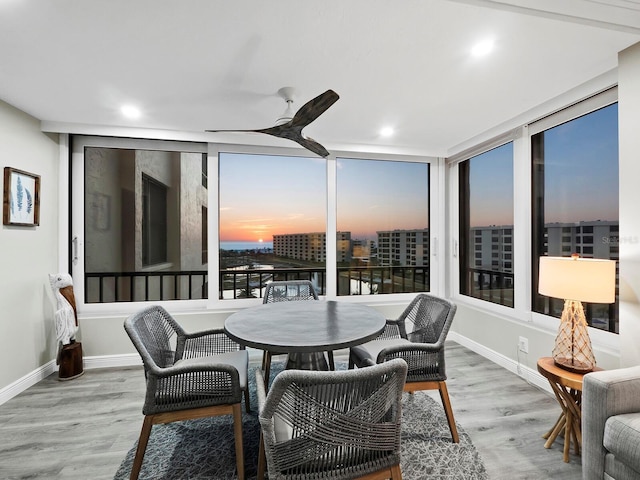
{"x": 82, "y": 429}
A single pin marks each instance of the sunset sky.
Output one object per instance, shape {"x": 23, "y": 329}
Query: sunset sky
{"x": 265, "y": 195}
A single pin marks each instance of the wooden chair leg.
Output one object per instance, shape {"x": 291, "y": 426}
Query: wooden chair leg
{"x": 444, "y": 395}
{"x": 142, "y": 447}
{"x": 396, "y": 473}
{"x": 262, "y": 459}
{"x": 237, "y": 431}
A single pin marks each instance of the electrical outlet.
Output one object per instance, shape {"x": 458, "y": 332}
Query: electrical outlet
{"x": 523, "y": 344}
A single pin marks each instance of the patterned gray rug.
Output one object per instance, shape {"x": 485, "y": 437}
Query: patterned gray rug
{"x": 203, "y": 449}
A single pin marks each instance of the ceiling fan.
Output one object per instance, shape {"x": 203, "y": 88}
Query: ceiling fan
{"x": 290, "y": 125}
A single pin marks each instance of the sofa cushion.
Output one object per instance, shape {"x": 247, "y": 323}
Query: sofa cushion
{"x": 622, "y": 438}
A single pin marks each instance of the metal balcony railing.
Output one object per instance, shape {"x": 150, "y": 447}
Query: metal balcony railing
{"x": 106, "y": 287}
{"x": 490, "y": 285}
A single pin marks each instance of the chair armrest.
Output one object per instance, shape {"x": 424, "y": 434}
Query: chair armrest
{"x": 180, "y": 387}
{"x": 604, "y": 394}
{"x": 392, "y": 329}
{"x": 205, "y": 343}
{"x": 408, "y": 349}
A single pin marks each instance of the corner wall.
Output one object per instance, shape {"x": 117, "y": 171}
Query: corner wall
{"x": 28, "y": 254}
{"x": 629, "y": 118}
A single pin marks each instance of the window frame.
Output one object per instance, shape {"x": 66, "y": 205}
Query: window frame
{"x": 75, "y": 253}
{"x": 77, "y": 146}
{"x": 572, "y": 112}
{"x": 521, "y": 136}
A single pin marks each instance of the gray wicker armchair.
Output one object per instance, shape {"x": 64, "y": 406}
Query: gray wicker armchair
{"x": 332, "y": 425}
{"x": 203, "y": 376}
{"x": 422, "y": 347}
{"x": 289, "y": 291}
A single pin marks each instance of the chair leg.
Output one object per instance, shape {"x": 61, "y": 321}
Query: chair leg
{"x": 262, "y": 459}
{"x": 247, "y": 402}
{"x": 267, "y": 369}
{"x": 332, "y": 365}
{"x": 142, "y": 447}
{"x": 444, "y": 395}
{"x": 237, "y": 431}
{"x": 396, "y": 473}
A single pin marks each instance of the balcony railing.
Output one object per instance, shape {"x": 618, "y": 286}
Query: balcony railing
{"x": 104, "y": 287}
{"x": 490, "y": 285}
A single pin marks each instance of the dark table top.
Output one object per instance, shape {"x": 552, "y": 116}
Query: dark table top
{"x": 305, "y": 326}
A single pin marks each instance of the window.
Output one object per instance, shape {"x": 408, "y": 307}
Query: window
{"x": 154, "y": 222}
{"x": 272, "y": 222}
{"x": 382, "y": 212}
{"x": 142, "y": 229}
{"x": 575, "y": 191}
{"x": 486, "y": 202}
{"x": 142, "y": 220}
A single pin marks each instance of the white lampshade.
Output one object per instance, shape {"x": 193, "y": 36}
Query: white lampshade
{"x": 589, "y": 280}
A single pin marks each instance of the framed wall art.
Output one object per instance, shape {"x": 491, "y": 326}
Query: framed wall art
{"x": 21, "y": 201}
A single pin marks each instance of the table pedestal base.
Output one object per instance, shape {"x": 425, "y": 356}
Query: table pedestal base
{"x": 307, "y": 361}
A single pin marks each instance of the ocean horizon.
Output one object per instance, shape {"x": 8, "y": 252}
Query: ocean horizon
{"x": 246, "y": 246}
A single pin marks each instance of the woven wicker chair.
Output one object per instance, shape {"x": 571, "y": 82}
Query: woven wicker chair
{"x": 332, "y": 425}
{"x": 188, "y": 376}
{"x": 422, "y": 347}
{"x": 289, "y": 291}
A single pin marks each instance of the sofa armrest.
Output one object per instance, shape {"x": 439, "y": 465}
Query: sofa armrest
{"x": 604, "y": 394}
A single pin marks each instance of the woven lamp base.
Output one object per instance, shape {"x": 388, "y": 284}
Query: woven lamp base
{"x": 572, "y": 350}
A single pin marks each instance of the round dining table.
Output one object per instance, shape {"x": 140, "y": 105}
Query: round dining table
{"x": 305, "y": 329}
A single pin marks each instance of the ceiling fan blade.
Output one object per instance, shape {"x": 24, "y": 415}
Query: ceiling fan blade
{"x": 313, "y": 146}
{"x": 292, "y": 130}
{"x": 314, "y": 108}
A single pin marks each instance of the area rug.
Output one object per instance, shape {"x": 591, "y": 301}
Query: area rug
{"x": 204, "y": 449}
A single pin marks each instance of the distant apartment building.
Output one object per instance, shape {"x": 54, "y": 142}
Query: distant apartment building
{"x": 403, "y": 247}
{"x": 492, "y": 245}
{"x": 492, "y": 248}
{"x": 311, "y": 247}
{"x": 595, "y": 239}
{"x": 363, "y": 251}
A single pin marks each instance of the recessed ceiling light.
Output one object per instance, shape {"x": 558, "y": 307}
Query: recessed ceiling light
{"x": 386, "y": 131}
{"x": 130, "y": 111}
{"x": 482, "y": 48}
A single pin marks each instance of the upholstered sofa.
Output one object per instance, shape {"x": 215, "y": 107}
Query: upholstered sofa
{"x": 611, "y": 425}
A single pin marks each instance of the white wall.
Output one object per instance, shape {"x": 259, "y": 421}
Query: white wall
{"x": 629, "y": 113}
{"x": 28, "y": 254}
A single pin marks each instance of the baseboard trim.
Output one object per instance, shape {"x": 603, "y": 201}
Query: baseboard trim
{"x": 528, "y": 374}
{"x": 29, "y": 380}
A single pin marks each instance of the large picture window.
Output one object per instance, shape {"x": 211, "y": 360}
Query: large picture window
{"x": 486, "y": 226}
{"x": 272, "y": 222}
{"x": 150, "y": 218}
{"x": 383, "y": 226}
{"x": 575, "y": 200}
{"x": 143, "y": 222}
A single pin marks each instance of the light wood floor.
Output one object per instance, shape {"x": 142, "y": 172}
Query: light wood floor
{"x": 82, "y": 429}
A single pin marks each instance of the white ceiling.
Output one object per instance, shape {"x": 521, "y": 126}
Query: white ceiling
{"x": 192, "y": 65}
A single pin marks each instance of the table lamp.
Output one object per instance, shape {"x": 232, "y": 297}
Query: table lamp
{"x": 576, "y": 280}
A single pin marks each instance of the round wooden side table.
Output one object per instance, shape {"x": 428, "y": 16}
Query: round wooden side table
{"x": 567, "y": 387}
